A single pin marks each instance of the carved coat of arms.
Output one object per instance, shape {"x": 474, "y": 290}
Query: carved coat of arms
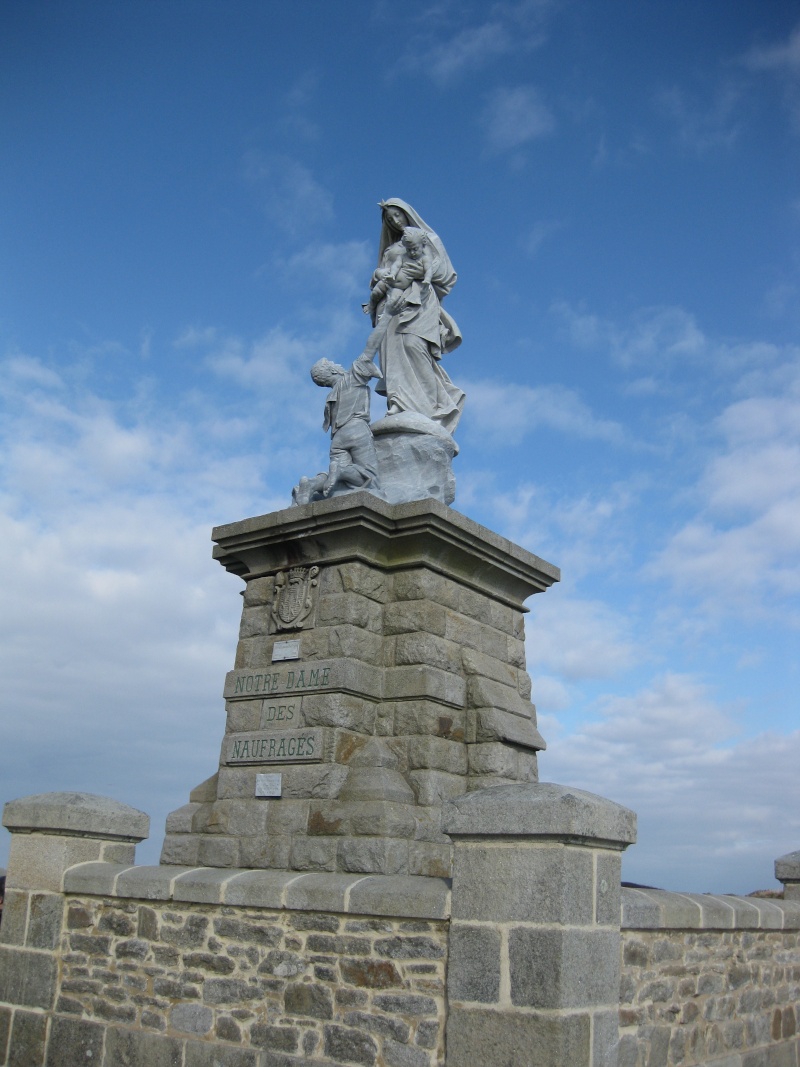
{"x": 294, "y": 600}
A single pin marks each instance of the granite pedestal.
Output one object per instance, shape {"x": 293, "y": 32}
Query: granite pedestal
{"x": 380, "y": 672}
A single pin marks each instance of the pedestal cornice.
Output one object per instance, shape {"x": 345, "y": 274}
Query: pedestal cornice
{"x": 360, "y": 526}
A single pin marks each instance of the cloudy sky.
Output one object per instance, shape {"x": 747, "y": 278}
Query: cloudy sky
{"x": 189, "y": 219}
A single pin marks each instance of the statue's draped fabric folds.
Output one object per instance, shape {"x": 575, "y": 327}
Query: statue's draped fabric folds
{"x": 415, "y": 339}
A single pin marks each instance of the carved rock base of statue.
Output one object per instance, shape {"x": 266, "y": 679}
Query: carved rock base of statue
{"x": 415, "y": 457}
{"x": 380, "y": 671}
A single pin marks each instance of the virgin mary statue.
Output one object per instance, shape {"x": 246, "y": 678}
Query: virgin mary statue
{"x": 417, "y": 337}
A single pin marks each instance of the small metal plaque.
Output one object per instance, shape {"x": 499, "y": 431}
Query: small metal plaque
{"x": 285, "y": 650}
{"x": 268, "y": 785}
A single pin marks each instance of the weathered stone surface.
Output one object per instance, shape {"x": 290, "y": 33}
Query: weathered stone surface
{"x": 82, "y": 813}
{"x": 474, "y": 967}
{"x": 563, "y": 968}
{"x": 148, "y": 882}
{"x": 5, "y": 1032}
{"x": 180, "y": 820}
{"x": 339, "y": 710}
{"x": 551, "y": 884}
{"x": 216, "y": 1055}
{"x": 421, "y": 897}
{"x": 382, "y": 855}
{"x": 44, "y": 920}
{"x": 492, "y": 724}
{"x": 504, "y": 1039}
{"x": 436, "y": 787}
{"x": 15, "y": 917}
{"x": 299, "y": 782}
{"x": 28, "y": 1039}
{"x": 37, "y": 861}
{"x": 493, "y": 758}
{"x": 429, "y": 719}
{"x": 686, "y": 992}
{"x": 314, "y": 1001}
{"x": 787, "y": 870}
{"x": 27, "y": 977}
{"x": 205, "y": 792}
{"x": 192, "y": 1018}
{"x": 350, "y": 1046}
{"x": 401, "y": 1055}
{"x": 437, "y": 753}
{"x": 129, "y": 1048}
{"x": 541, "y": 808}
{"x": 74, "y": 1041}
{"x": 423, "y": 648}
{"x": 414, "y": 465}
{"x": 211, "y": 973}
{"x": 607, "y": 889}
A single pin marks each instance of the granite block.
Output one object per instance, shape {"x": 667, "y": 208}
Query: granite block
{"x": 27, "y": 977}
{"x": 473, "y": 969}
{"x": 547, "y": 884}
{"x": 512, "y": 1039}
{"x": 75, "y": 1041}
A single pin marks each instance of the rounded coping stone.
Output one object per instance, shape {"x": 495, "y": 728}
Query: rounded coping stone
{"x": 661, "y": 909}
{"x": 787, "y": 868}
{"x": 76, "y": 815}
{"x": 540, "y": 809}
{"x": 404, "y": 896}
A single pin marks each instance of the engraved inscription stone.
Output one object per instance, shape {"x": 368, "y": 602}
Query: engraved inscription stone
{"x": 241, "y": 685}
{"x": 268, "y": 785}
{"x": 295, "y": 599}
{"x": 283, "y": 650}
{"x": 288, "y": 746}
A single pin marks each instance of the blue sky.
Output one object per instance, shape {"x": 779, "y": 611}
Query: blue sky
{"x": 189, "y": 219}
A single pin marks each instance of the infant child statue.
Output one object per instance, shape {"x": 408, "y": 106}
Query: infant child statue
{"x": 410, "y": 261}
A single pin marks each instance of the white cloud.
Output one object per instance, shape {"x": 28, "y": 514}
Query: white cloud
{"x": 117, "y": 626}
{"x": 287, "y": 191}
{"x": 280, "y": 360}
{"x": 783, "y": 61}
{"x": 715, "y": 802}
{"x": 702, "y": 125}
{"x": 343, "y": 269}
{"x": 539, "y": 233}
{"x": 471, "y": 48}
{"x": 652, "y": 336}
{"x": 781, "y": 57}
{"x": 29, "y": 372}
{"x": 445, "y": 55}
{"x": 660, "y": 340}
{"x": 577, "y": 639}
{"x": 741, "y": 550}
{"x": 505, "y": 414}
{"x": 513, "y": 117}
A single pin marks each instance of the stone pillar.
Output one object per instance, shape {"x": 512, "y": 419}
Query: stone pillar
{"x": 50, "y": 833}
{"x": 787, "y": 870}
{"x": 534, "y": 971}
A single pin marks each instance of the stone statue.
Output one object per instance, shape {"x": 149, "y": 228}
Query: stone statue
{"x": 407, "y": 455}
{"x": 420, "y": 331}
{"x": 353, "y": 459}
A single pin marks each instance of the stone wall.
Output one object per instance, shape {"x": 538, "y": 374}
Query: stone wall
{"x": 359, "y": 990}
{"x": 529, "y": 956}
{"x": 141, "y": 982}
{"x": 711, "y": 980}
